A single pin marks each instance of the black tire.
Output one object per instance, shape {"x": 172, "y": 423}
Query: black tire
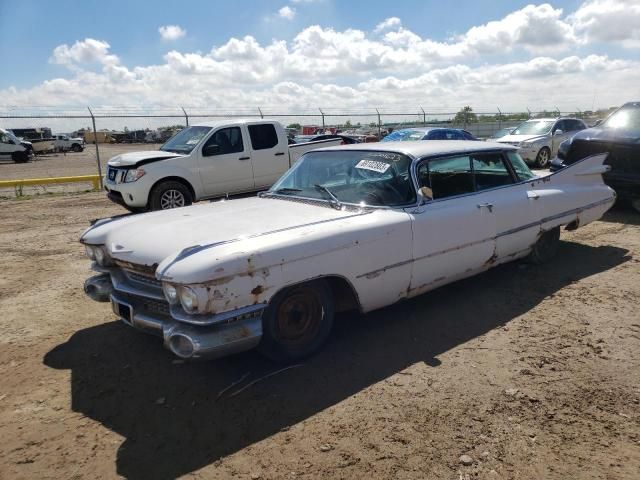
{"x": 297, "y": 322}
{"x": 543, "y": 158}
{"x": 20, "y": 157}
{"x": 546, "y": 247}
{"x": 76, "y": 148}
{"x": 170, "y": 194}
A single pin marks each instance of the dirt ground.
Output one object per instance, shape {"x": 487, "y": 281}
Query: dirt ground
{"x": 64, "y": 165}
{"x": 531, "y": 371}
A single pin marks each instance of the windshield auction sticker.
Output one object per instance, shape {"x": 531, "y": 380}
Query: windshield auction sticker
{"x": 372, "y": 165}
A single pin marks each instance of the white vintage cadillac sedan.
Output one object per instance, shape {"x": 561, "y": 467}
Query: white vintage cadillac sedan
{"x": 352, "y": 227}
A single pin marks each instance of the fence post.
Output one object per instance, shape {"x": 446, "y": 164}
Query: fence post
{"x": 322, "y": 113}
{"x": 529, "y": 111}
{"x": 261, "y": 115}
{"x": 186, "y": 117}
{"x": 558, "y": 110}
{"x": 95, "y": 141}
{"x": 424, "y": 117}
{"x": 499, "y": 118}
{"x": 379, "y": 125}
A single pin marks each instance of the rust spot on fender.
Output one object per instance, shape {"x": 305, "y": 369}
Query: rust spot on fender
{"x": 257, "y": 290}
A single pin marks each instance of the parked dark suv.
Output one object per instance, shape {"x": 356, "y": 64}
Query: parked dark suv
{"x": 619, "y": 135}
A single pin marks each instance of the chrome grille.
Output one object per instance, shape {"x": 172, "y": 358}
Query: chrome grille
{"x": 144, "y": 279}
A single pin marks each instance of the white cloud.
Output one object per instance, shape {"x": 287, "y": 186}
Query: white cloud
{"x": 171, "y": 32}
{"x": 287, "y": 12}
{"x": 352, "y": 68}
{"x": 388, "y": 24}
{"x": 616, "y": 21}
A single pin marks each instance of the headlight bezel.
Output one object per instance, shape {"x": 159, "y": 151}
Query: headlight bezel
{"x": 99, "y": 254}
{"x": 90, "y": 252}
{"x": 188, "y": 299}
{"x": 133, "y": 175}
{"x": 172, "y": 298}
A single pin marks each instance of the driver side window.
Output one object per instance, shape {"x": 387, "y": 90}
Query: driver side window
{"x": 5, "y": 139}
{"x": 228, "y": 139}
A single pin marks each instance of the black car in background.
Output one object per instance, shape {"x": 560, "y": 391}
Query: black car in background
{"x": 619, "y": 135}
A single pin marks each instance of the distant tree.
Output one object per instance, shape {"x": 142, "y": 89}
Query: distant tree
{"x": 126, "y": 129}
{"x": 465, "y": 115}
{"x": 347, "y": 124}
{"x": 295, "y": 126}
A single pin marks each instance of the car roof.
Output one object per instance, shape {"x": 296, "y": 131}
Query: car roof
{"x": 233, "y": 121}
{"x": 420, "y": 149}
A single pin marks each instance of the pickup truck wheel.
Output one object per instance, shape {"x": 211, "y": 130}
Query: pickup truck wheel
{"x": 543, "y": 158}
{"x": 20, "y": 157}
{"x": 76, "y": 148}
{"x": 297, "y": 322}
{"x": 170, "y": 194}
{"x": 635, "y": 203}
{"x": 546, "y": 247}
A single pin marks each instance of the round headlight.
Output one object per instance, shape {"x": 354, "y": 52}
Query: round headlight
{"x": 170, "y": 293}
{"x": 188, "y": 299}
{"x": 88, "y": 249}
{"x": 100, "y": 256}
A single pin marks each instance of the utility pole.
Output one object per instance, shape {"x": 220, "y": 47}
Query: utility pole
{"x": 95, "y": 141}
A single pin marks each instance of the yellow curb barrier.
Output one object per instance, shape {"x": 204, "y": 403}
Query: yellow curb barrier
{"x": 94, "y": 179}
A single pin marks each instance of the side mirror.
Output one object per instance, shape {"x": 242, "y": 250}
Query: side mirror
{"x": 210, "y": 150}
{"x": 558, "y": 132}
{"x": 425, "y": 194}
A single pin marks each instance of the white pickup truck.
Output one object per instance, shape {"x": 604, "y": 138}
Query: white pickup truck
{"x": 64, "y": 143}
{"x": 205, "y": 161}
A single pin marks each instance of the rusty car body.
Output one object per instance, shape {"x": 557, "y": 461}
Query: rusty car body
{"x": 352, "y": 227}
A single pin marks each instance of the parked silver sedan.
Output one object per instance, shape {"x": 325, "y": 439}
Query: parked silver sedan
{"x": 539, "y": 139}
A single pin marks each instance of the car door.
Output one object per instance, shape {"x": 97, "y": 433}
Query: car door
{"x": 225, "y": 162}
{"x": 269, "y": 153}
{"x": 7, "y": 147}
{"x": 559, "y": 134}
{"x": 514, "y": 203}
{"x": 454, "y": 231}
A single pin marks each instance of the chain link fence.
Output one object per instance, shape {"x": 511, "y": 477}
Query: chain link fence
{"x": 109, "y": 131}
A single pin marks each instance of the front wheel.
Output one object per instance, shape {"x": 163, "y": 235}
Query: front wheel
{"x": 543, "y": 158}
{"x": 20, "y": 157}
{"x": 170, "y": 194}
{"x": 297, "y": 322}
{"x": 76, "y": 148}
{"x": 546, "y": 246}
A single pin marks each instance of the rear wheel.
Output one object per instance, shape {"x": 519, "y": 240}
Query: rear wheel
{"x": 297, "y": 322}
{"x": 543, "y": 157}
{"x": 170, "y": 194}
{"x": 546, "y": 247}
{"x": 76, "y": 148}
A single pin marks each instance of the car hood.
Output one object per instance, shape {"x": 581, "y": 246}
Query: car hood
{"x": 135, "y": 159}
{"x": 520, "y": 138}
{"x": 155, "y": 238}
{"x": 616, "y": 135}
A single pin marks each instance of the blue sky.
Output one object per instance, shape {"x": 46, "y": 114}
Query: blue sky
{"x": 424, "y": 39}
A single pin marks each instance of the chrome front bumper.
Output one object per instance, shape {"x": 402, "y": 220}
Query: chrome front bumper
{"x": 226, "y": 333}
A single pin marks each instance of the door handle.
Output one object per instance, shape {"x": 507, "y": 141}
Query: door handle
{"x": 244, "y": 158}
{"x": 279, "y": 153}
{"x": 488, "y": 206}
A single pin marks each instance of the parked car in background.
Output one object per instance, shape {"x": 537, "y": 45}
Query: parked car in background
{"x": 539, "y": 139}
{"x": 619, "y": 136}
{"x": 428, "y": 133}
{"x": 13, "y": 148}
{"x": 344, "y": 139}
{"x": 64, "y": 143}
{"x": 501, "y": 133}
{"x": 204, "y": 161}
{"x": 354, "y": 227}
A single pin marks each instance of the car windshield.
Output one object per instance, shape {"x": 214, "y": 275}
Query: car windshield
{"x": 186, "y": 140}
{"x": 349, "y": 176}
{"x": 627, "y": 118}
{"x": 534, "y": 127}
{"x": 404, "y": 136}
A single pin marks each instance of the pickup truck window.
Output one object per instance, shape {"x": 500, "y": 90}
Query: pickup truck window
{"x": 186, "y": 140}
{"x": 5, "y": 139}
{"x": 228, "y": 139}
{"x": 368, "y": 177}
{"x": 263, "y": 136}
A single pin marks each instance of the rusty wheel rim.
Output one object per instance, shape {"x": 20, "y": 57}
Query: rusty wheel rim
{"x": 299, "y": 317}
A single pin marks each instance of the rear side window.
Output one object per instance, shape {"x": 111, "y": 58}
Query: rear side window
{"x": 263, "y": 136}
{"x": 490, "y": 171}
